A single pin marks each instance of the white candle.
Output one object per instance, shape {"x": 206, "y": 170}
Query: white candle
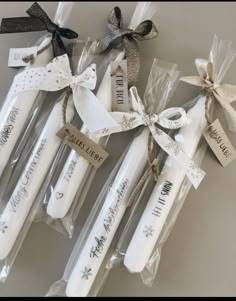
{"x": 109, "y": 218}
{"x": 16, "y": 110}
{"x": 31, "y": 179}
{"x": 163, "y": 196}
{"x": 75, "y": 168}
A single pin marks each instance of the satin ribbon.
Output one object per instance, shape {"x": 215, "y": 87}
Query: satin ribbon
{"x": 128, "y": 121}
{"x": 117, "y": 35}
{"x": 225, "y": 94}
{"x": 39, "y": 21}
{"x": 56, "y": 76}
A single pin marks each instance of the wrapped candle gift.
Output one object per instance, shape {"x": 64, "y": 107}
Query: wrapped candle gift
{"x": 19, "y": 112}
{"x": 152, "y": 216}
{"x": 85, "y": 270}
{"x": 69, "y": 187}
{"x": 20, "y": 203}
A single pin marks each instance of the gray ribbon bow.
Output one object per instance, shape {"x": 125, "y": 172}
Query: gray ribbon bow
{"x": 127, "y": 38}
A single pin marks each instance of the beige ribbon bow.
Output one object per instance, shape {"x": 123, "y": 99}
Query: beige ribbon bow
{"x": 225, "y": 94}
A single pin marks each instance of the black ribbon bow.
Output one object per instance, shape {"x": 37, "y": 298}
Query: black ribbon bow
{"x": 39, "y": 21}
{"x": 127, "y": 38}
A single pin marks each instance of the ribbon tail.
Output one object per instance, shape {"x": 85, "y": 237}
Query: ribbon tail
{"x": 21, "y": 24}
{"x": 108, "y": 131}
{"x": 194, "y": 80}
{"x": 26, "y": 81}
{"x": 53, "y": 77}
{"x": 97, "y": 118}
{"x": 133, "y": 60}
{"x": 193, "y": 172}
{"x": 58, "y": 45}
{"x": 126, "y": 122}
{"x": 229, "y": 111}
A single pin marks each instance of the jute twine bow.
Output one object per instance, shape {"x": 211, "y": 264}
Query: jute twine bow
{"x": 153, "y": 168}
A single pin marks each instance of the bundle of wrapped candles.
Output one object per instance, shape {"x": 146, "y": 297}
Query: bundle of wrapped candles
{"x": 49, "y": 160}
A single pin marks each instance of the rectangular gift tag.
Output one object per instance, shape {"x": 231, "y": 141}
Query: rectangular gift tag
{"x": 219, "y": 143}
{"x": 84, "y": 146}
{"x": 16, "y": 56}
{"x": 119, "y": 85}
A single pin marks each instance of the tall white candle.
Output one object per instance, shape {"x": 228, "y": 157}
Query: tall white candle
{"x": 16, "y": 110}
{"x": 31, "y": 179}
{"x": 109, "y": 218}
{"x": 163, "y": 196}
{"x": 76, "y": 166}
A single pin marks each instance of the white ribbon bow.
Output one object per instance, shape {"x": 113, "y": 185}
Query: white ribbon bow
{"x": 56, "y": 76}
{"x": 225, "y": 94}
{"x": 128, "y": 121}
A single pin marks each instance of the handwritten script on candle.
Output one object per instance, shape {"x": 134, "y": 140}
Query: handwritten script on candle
{"x": 8, "y": 126}
{"x": 109, "y": 220}
{"x": 119, "y": 83}
{"x": 70, "y": 170}
{"x": 219, "y": 143}
{"x": 21, "y": 192}
{"x": 84, "y": 146}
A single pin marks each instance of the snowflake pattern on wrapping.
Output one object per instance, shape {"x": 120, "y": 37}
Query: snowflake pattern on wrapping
{"x": 147, "y": 120}
{"x": 158, "y": 131}
{"x": 105, "y": 131}
{"x": 3, "y": 227}
{"x": 86, "y": 273}
{"x": 127, "y": 123}
{"x": 174, "y": 147}
{"x": 195, "y": 171}
{"x": 148, "y": 231}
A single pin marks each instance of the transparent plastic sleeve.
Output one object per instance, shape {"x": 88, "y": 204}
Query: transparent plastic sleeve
{"x": 71, "y": 175}
{"x": 85, "y": 269}
{"x": 18, "y": 205}
{"x": 145, "y": 10}
{"x": 69, "y": 187}
{"x": 28, "y": 146}
{"x": 19, "y": 113}
{"x": 152, "y": 216}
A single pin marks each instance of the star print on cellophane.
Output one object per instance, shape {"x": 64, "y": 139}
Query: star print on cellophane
{"x": 53, "y": 77}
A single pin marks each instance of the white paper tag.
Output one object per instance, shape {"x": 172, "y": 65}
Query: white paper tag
{"x": 17, "y": 54}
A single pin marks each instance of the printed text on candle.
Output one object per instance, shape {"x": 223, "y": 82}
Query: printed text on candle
{"x": 162, "y": 198}
{"x": 109, "y": 220}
